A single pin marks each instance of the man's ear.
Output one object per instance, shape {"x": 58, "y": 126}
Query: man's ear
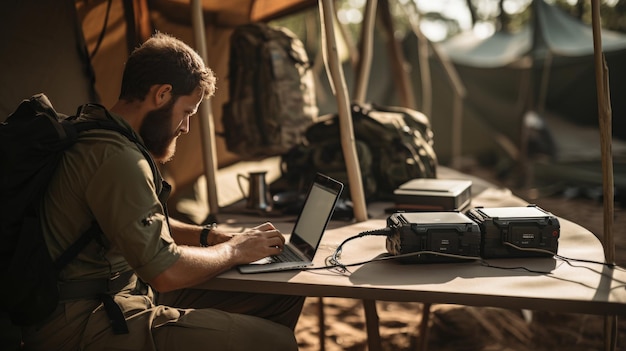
{"x": 162, "y": 94}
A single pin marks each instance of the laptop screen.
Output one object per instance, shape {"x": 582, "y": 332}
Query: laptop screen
{"x": 315, "y": 214}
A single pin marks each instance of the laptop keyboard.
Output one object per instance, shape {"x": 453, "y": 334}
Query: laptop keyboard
{"x": 286, "y": 256}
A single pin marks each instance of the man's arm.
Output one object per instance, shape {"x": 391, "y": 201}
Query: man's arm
{"x": 199, "y": 264}
{"x": 189, "y": 234}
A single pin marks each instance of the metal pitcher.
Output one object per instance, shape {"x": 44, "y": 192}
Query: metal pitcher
{"x": 259, "y": 197}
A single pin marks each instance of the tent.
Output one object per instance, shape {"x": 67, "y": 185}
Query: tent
{"x": 547, "y": 66}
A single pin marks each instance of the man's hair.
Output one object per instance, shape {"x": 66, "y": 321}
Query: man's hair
{"x": 163, "y": 59}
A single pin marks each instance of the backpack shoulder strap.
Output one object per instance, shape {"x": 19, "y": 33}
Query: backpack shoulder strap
{"x": 108, "y": 123}
{"x": 77, "y": 246}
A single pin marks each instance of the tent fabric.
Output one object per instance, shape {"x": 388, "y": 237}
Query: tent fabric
{"x": 567, "y": 36}
{"x": 42, "y": 50}
{"x": 503, "y": 76}
{"x": 498, "y": 50}
{"x": 230, "y": 13}
{"x": 559, "y": 33}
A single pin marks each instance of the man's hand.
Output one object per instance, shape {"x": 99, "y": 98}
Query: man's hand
{"x": 257, "y": 243}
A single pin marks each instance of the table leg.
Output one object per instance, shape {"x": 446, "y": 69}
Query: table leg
{"x": 610, "y": 333}
{"x": 424, "y": 328}
{"x": 321, "y": 324}
{"x": 371, "y": 322}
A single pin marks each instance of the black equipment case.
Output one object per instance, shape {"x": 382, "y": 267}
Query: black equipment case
{"x": 516, "y": 231}
{"x": 448, "y": 235}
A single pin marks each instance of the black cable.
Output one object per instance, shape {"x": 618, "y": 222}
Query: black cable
{"x": 334, "y": 261}
{"x": 487, "y": 264}
{"x": 562, "y": 258}
{"x": 559, "y": 257}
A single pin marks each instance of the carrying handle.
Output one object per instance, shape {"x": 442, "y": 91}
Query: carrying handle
{"x": 239, "y": 176}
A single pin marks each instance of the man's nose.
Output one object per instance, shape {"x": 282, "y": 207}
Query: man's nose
{"x": 184, "y": 126}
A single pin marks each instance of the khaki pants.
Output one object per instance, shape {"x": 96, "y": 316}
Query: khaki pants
{"x": 247, "y": 322}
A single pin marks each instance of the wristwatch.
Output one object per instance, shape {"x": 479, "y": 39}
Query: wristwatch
{"x": 205, "y": 233}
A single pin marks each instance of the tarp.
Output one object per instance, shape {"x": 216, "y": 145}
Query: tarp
{"x": 499, "y": 71}
{"x": 558, "y": 33}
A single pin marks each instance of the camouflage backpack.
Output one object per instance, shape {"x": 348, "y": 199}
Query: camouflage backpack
{"x": 271, "y": 93}
{"x": 393, "y": 144}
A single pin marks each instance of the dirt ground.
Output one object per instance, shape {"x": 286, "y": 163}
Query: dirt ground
{"x": 458, "y": 328}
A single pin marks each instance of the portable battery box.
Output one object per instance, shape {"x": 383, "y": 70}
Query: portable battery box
{"x": 445, "y": 234}
{"x": 516, "y": 231}
{"x": 426, "y": 194}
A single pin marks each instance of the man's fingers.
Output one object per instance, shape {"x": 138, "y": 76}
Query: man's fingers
{"x": 267, "y": 226}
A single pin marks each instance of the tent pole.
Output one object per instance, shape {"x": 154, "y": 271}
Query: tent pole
{"x": 207, "y": 128}
{"x": 604, "y": 116}
{"x": 365, "y": 52}
{"x": 423, "y": 48}
{"x": 362, "y": 80}
{"x": 326, "y": 8}
{"x": 453, "y": 78}
{"x": 398, "y": 62}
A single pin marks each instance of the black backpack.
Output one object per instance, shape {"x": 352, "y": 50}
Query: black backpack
{"x": 393, "y": 144}
{"x": 271, "y": 92}
{"x": 32, "y": 141}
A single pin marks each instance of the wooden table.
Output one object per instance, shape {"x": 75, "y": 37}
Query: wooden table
{"x": 575, "y": 287}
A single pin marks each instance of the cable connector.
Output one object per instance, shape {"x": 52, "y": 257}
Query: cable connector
{"x": 378, "y": 232}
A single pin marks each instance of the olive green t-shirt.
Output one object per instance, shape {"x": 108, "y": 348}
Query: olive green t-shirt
{"x": 104, "y": 177}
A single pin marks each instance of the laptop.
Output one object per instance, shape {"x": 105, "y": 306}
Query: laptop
{"x": 308, "y": 229}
